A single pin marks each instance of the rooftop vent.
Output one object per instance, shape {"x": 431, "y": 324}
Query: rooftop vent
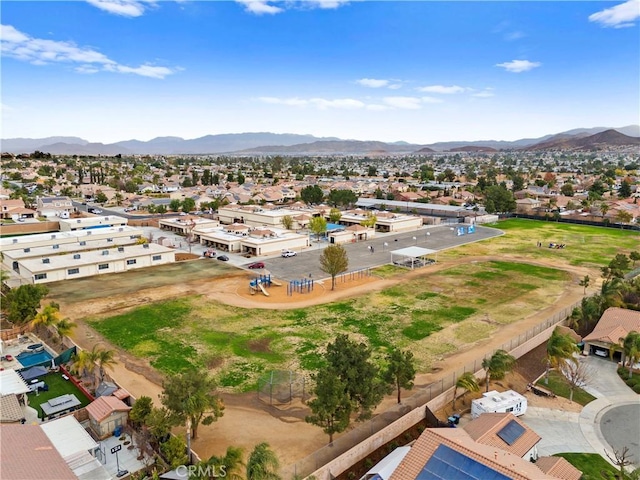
{"x": 45, "y": 260}
{"x": 56, "y": 246}
{"x": 53, "y": 236}
{"x": 105, "y": 252}
{"x": 76, "y": 256}
{"x": 121, "y": 249}
{"x": 15, "y": 240}
{"x": 146, "y": 245}
{"x": 27, "y": 250}
{"x": 83, "y": 243}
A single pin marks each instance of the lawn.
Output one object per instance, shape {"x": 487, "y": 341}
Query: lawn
{"x": 590, "y": 464}
{"x": 433, "y": 315}
{"x": 585, "y": 245}
{"x": 57, "y": 386}
{"x": 558, "y": 384}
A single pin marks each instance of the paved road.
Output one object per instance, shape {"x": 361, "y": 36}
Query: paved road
{"x": 611, "y": 421}
{"x": 306, "y": 264}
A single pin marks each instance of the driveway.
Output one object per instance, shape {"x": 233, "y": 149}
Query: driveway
{"x": 610, "y": 421}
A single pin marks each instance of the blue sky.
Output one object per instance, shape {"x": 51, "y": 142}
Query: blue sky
{"x": 418, "y": 71}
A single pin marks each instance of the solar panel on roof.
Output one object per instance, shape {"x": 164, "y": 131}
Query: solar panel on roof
{"x": 447, "y": 464}
{"x": 511, "y": 432}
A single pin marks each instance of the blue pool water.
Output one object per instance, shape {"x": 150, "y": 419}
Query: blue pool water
{"x": 334, "y": 226}
{"x": 33, "y": 358}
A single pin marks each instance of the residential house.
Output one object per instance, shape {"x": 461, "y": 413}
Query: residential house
{"x": 54, "y": 206}
{"x": 614, "y": 324}
{"x": 15, "y": 209}
{"x": 106, "y": 414}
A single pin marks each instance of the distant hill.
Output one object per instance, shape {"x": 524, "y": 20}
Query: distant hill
{"x": 258, "y": 143}
{"x": 473, "y": 148}
{"x": 581, "y": 141}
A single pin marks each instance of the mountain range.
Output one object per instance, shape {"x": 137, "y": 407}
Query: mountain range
{"x": 276, "y": 143}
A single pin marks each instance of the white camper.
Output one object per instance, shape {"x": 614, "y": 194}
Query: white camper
{"x": 499, "y": 402}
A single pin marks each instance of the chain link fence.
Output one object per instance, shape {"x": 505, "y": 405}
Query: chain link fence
{"x": 419, "y": 399}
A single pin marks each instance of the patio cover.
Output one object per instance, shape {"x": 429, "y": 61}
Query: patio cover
{"x": 11, "y": 382}
{"x": 410, "y": 254}
{"x": 33, "y": 372}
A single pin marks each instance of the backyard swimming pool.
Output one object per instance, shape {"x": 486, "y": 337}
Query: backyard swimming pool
{"x": 29, "y": 359}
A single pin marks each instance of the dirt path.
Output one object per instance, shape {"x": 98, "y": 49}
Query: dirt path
{"x": 247, "y": 421}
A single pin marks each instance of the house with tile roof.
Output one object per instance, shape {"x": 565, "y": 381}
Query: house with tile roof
{"x": 453, "y": 453}
{"x": 106, "y": 414}
{"x": 614, "y": 324}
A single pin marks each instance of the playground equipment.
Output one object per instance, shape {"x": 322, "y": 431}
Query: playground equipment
{"x": 304, "y": 285}
{"x": 260, "y": 282}
{"x": 465, "y": 230}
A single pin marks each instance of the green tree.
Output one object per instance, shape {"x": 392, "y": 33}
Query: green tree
{"x": 400, "y": 371}
{"x": 466, "y": 381}
{"x": 631, "y": 350}
{"x": 335, "y": 215}
{"x": 634, "y": 257}
{"x": 334, "y": 261}
{"x": 585, "y": 282}
{"x": 497, "y": 366}
{"x": 188, "y": 205}
{"x": 616, "y": 267}
{"x": 101, "y": 197}
{"x": 49, "y": 316}
{"x": 230, "y": 466}
{"x": 370, "y": 221}
{"x": 190, "y": 397}
{"x": 312, "y": 195}
{"x": 161, "y": 209}
{"x": 174, "y": 205}
{"x": 499, "y": 200}
{"x": 159, "y": 422}
{"x": 625, "y": 189}
{"x": 104, "y": 358}
{"x": 287, "y": 222}
{"x": 623, "y": 217}
{"x": 318, "y": 225}
{"x": 331, "y": 407}
{"x": 567, "y": 190}
{"x": 342, "y": 198}
{"x": 351, "y": 362}
{"x": 22, "y": 303}
{"x": 64, "y": 327}
{"x": 141, "y": 410}
{"x": 263, "y": 463}
{"x": 560, "y": 350}
{"x": 175, "y": 452}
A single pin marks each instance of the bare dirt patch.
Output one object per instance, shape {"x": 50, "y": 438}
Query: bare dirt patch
{"x": 247, "y": 421}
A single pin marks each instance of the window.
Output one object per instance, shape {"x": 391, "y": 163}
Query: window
{"x": 40, "y": 276}
{"x": 73, "y": 271}
{"x": 133, "y": 261}
{"x": 103, "y": 266}
{"x": 157, "y": 257}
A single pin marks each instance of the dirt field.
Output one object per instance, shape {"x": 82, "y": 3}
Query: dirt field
{"x": 247, "y": 421}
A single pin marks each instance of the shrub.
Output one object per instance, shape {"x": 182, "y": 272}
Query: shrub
{"x": 636, "y": 388}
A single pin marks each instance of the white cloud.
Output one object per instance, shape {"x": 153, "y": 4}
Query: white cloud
{"x": 319, "y": 103}
{"x": 431, "y": 100}
{"x": 511, "y": 36}
{"x": 260, "y": 7}
{"x": 125, "y": 8}
{"x": 37, "y": 51}
{"x": 406, "y": 103}
{"x": 486, "y": 93}
{"x": 443, "y": 89}
{"x": 620, "y": 16}
{"x": 518, "y": 66}
{"x": 373, "y": 83}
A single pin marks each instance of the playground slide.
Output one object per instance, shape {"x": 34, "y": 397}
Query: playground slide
{"x": 263, "y": 289}
{"x": 277, "y": 284}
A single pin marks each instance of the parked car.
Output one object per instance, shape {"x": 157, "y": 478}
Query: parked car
{"x": 256, "y": 265}
{"x": 288, "y": 253}
{"x": 223, "y": 258}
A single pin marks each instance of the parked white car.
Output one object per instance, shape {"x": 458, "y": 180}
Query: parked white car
{"x": 288, "y": 253}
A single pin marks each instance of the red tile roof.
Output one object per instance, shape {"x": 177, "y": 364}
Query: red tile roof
{"x": 615, "y": 323}
{"x": 558, "y": 467}
{"x": 26, "y": 453}
{"x": 102, "y": 407}
{"x": 485, "y": 428}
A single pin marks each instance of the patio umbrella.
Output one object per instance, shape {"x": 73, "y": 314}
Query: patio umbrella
{"x": 33, "y": 372}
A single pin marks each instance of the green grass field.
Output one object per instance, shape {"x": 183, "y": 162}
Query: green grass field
{"x": 558, "y": 384}
{"x": 57, "y": 386}
{"x": 433, "y": 315}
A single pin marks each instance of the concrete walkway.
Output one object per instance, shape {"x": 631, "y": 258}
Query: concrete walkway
{"x": 585, "y": 432}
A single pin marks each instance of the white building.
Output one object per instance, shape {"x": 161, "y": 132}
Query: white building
{"x": 70, "y": 224}
{"x": 499, "y": 402}
{"x": 241, "y": 238}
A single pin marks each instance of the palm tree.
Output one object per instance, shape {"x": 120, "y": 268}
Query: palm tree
{"x": 263, "y": 463}
{"x": 48, "y": 316}
{"x": 231, "y": 463}
{"x": 497, "y": 366}
{"x": 83, "y": 364}
{"x": 560, "y": 349}
{"x": 467, "y": 381}
{"x": 64, "y": 327}
{"x": 104, "y": 358}
{"x": 631, "y": 350}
